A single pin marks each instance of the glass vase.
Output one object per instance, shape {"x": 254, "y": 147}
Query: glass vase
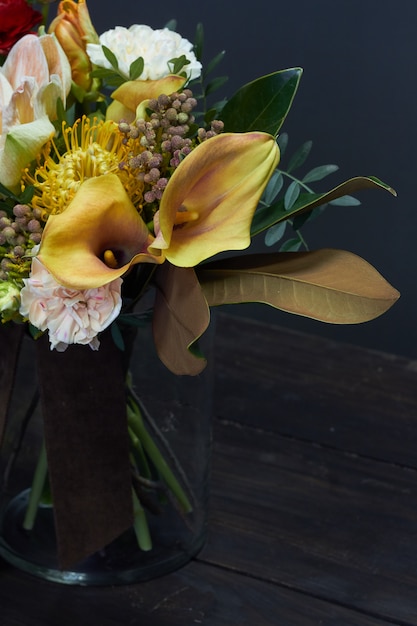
{"x": 170, "y": 464}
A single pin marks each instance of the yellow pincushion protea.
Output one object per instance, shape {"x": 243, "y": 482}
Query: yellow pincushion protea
{"x": 92, "y": 148}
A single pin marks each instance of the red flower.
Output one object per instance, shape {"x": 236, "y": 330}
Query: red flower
{"x": 17, "y": 18}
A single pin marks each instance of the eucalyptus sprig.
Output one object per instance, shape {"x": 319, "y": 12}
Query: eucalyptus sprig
{"x": 208, "y": 85}
{"x": 289, "y": 193}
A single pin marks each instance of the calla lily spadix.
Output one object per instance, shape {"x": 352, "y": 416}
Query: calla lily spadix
{"x": 97, "y": 238}
{"x": 209, "y": 202}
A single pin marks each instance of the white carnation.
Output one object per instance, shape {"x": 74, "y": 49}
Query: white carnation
{"x": 70, "y": 316}
{"x": 156, "y": 47}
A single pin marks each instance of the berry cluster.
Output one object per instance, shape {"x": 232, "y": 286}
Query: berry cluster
{"x": 18, "y": 234}
{"x": 159, "y": 144}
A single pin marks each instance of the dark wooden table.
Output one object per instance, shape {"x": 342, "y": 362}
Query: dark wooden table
{"x": 314, "y": 499}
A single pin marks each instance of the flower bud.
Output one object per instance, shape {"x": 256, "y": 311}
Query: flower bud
{"x": 74, "y": 30}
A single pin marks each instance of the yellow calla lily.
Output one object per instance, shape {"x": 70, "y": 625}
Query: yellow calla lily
{"x": 207, "y": 207}
{"x": 209, "y": 202}
{"x": 98, "y": 237}
{"x": 130, "y": 95}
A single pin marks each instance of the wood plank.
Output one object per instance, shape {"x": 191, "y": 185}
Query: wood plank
{"x": 316, "y": 389}
{"x": 334, "y": 525}
{"x": 304, "y": 530}
{"x": 198, "y": 594}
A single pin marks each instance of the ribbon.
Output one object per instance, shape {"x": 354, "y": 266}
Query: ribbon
{"x": 84, "y": 411}
{"x": 10, "y": 340}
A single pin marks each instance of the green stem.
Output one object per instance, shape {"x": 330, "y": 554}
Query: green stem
{"x": 16, "y": 450}
{"x": 135, "y": 422}
{"x": 38, "y": 484}
{"x": 297, "y": 180}
{"x": 303, "y": 241}
{"x": 140, "y": 524}
{"x": 45, "y": 13}
{"x": 143, "y": 462}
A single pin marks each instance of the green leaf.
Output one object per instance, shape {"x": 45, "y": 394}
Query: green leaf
{"x": 27, "y": 195}
{"x": 300, "y": 156}
{"x": 136, "y": 68}
{"x": 61, "y": 111}
{"x": 213, "y": 112}
{"x": 265, "y": 217}
{"x": 101, "y": 72}
{"x": 282, "y": 143}
{"x": 35, "y": 332}
{"x": 291, "y": 195}
{"x": 199, "y": 42}
{"x": 213, "y": 63}
{"x": 210, "y": 115}
{"x": 135, "y": 319}
{"x": 171, "y": 25}
{"x": 192, "y": 131}
{"x": 117, "y": 336}
{"x": 273, "y": 187}
{"x": 275, "y": 233}
{"x": 111, "y": 57}
{"x": 291, "y": 245}
{"x": 320, "y": 172}
{"x": 215, "y": 84}
{"x": 345, "y": 201}
{"x": 178, "y": 64}
{"x": 300, "y": 219}
{"x": 111, "y": 78}
{"x": 262, "y": 104}
{"x": 7, "y": 193}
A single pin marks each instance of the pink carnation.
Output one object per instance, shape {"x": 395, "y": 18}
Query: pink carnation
{"x": 70, "y": 316}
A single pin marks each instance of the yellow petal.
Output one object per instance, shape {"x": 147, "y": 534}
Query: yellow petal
{"x": 209, "y": 202}
{"x": 74, "y": 46}
{"x": 76, "y": 14}
{"x": 133, "y": 92}
{"x": 116, "y": 111}
{"x": 100, "y": 218}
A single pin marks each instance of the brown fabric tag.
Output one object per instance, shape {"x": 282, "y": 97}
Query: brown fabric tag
{"x": 10, "y": 338}
{"x": 84, "y": 410}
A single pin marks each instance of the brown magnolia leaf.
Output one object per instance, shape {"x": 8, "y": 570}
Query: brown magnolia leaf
{"x": 332, "y": 286}
{"x": 180, "y": 317}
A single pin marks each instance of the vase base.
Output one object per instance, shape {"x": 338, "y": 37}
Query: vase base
{"x": 121, "y": 562}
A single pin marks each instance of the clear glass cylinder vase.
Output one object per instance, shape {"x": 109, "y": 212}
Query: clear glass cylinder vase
{"x": 175, "y": 412}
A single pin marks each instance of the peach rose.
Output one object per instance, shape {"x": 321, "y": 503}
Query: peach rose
{"x": 69, "y": 315}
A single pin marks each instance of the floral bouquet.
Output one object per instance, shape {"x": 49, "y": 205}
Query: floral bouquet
{"x": 122, "y": 195}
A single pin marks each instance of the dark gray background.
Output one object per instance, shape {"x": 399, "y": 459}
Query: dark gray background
{"x": 357, "y": 103}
